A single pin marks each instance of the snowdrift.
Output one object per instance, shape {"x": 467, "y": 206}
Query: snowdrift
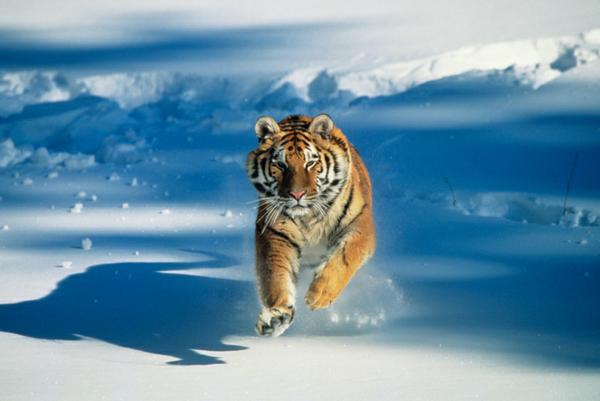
{"x": 122, "y": 117}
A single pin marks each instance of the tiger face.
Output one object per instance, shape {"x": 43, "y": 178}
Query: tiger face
{"x": 295, "y": 169}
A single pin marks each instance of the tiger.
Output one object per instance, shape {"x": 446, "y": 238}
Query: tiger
{"x": 314, "y": 209}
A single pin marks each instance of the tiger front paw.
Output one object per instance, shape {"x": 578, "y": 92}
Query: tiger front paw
{"x": 274, "y": 321}
{"x": 322, "y": 292}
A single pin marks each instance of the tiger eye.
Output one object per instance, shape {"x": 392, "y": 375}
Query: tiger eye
{"x": 310, "y": 163}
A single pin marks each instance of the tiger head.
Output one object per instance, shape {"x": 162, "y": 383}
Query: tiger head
{"x": 300, "y": 165}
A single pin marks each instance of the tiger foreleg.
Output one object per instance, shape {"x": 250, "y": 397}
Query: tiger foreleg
{"x": 277, "y": 267}
{"x": 329, "y": 281}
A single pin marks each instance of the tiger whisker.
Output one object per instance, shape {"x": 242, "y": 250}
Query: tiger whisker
{"x": 268, "y": 209}
{"x": 321, "y": 210}
{"x": 271, "y": 216}
{"x": 264, "y": 198}
{"x": 269, "y": 213}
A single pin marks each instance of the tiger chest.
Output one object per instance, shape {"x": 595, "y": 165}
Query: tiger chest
{"x": 315, "y": 254}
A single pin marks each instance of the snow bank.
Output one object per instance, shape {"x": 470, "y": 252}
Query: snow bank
{"x": 129, "y": 90}
{"x": 514, "y": 206}
{"x": 10, "y": 155}
{"x": 529, "y": 62}
{"x": 527, "y": 208}
{"x": 533, "y": 62}
{"x": 124, "y": 149}
{"x": 119, "y": 118}
{"x": 19, "y": 89}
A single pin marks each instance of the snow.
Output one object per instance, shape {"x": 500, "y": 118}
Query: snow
{"x": 527, "y": 208}
{"x": 76, "y": 208}
{"x": 129, "y": 90}
{"x": 18, "y": 89}
{"x": 484, "y": 284}
{"x": 533, "y": 62}
{"x": 86, "y": 244}
{"x": 10, "y": 155}
{"x": 119, "y": 118}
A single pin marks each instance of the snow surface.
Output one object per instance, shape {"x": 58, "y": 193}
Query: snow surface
{"x": 484, "y": 285}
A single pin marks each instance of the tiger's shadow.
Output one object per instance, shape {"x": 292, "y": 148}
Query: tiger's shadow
{"x": 143, "y": 307}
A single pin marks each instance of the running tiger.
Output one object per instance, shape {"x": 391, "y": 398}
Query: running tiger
{"x": 315, "y": 209}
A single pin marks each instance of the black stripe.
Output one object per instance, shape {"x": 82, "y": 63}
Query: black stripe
{"x": 255, "y": 167}
{"x": 338, "y": 235}
{"x": 295, "y": 138}
{"x": 285, "y": 139}
{"x": 334, "y": 188}
{"x": 340, "y": 143}
{"x": 304, "y": 136}
{"x": 335, "y": 163}
{"x": 336, "y": 167}
{"x": 345, "y": 209}
{"x": 362, "y": 209}
{"x": 259, "y": 187}
{"x": 287, "y": 239}
{"x": 263, "y": 166}
{"x": 327, "y": 162}
{"x": 344, "y": 259}
{"x": 305, "y": 142}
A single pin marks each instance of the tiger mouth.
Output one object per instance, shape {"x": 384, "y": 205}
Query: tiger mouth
{"x": 297, "y": 210}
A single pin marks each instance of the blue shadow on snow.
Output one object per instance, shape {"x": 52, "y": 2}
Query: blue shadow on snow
{"x": 141, "y": 306}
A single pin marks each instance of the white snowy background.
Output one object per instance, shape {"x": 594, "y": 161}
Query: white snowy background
{"x": 126, "y": 219}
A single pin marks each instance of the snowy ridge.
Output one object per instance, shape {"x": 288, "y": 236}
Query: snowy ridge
{"x": 116, "y": 118}
{"x": 529, "y": 62}
{"x": 18, "y": 89}
{"x": 128, "y": 89}
{"x": 534, "y": 62}
{"x": 11, "y": 155}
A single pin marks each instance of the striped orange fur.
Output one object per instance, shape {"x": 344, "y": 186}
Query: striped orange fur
{"x": 315, "y": 209}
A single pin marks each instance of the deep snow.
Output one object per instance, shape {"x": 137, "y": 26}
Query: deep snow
{"x": 483, "y": 285}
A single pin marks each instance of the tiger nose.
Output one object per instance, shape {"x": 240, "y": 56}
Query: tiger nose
{"x": 297, "y": 194}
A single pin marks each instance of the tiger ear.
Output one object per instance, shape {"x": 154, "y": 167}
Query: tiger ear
{"x": 265, "y": 127}
{"x": 322, "y": 125}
